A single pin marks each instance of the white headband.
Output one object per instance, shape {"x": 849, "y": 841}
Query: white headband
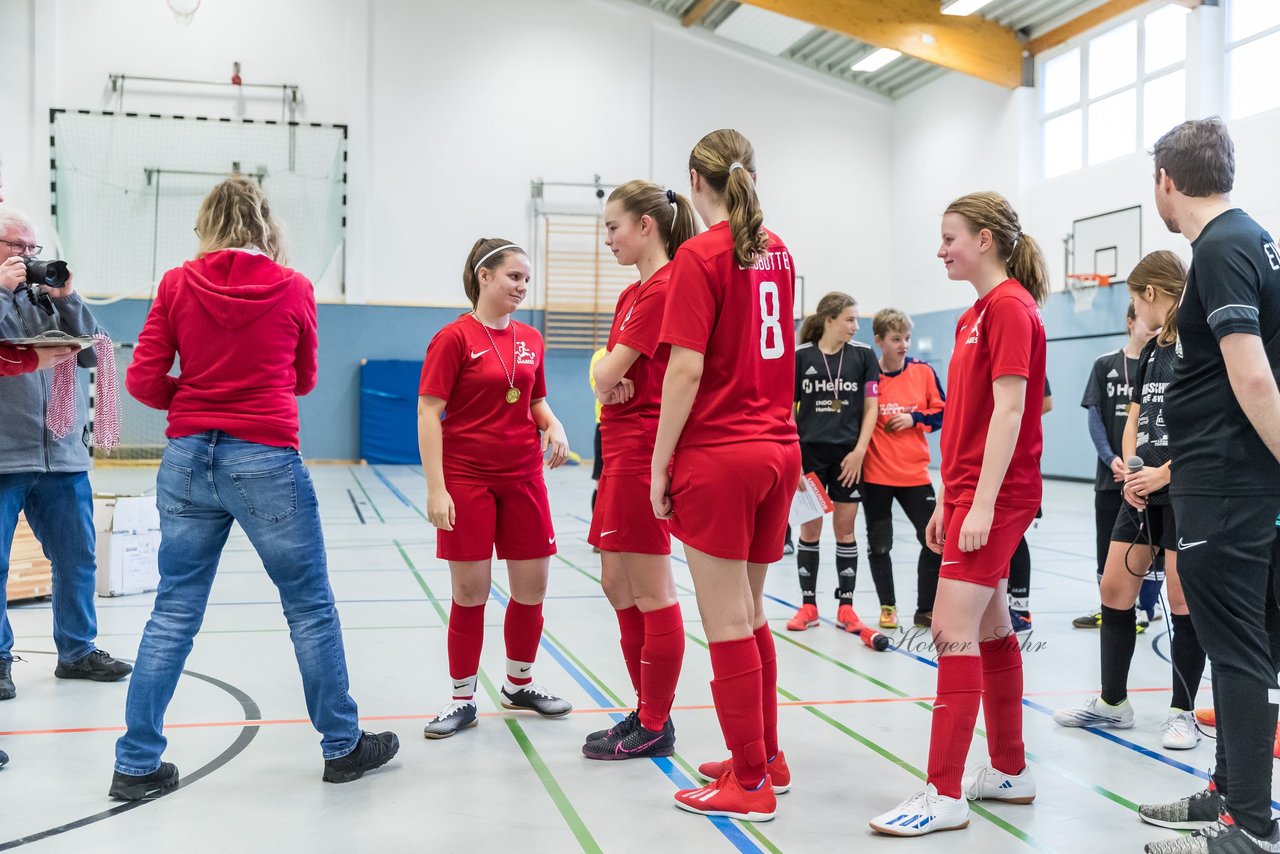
{"x": 491, "y": 253}
{"x": 736, "y": 165}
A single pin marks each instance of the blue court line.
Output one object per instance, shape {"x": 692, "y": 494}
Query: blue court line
{"x": 391, "y": 486}
{"x": 726, "y": 826}
{"x": 1030, "y": 704}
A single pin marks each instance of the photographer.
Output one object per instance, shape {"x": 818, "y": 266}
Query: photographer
{"x": 43, "y": 477}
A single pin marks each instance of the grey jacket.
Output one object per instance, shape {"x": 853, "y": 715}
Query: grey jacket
{"x": 26, "y": 445}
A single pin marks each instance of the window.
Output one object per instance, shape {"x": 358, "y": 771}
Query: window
{"x": 1121, "y": 89}
{"x": 1253, "y": 57}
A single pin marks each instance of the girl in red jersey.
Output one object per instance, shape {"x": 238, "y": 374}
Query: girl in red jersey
{"x": 645, "y": 225}
{"x": 737, "y": 458}
{"x": 990, "y": 491}
{"x": 483, "y": 462}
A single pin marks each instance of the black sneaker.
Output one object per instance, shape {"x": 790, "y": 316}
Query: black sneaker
{"x": 534, "y": 698}
{"x": 141, "y": 787}
{"x": 1224, "y": 836}
{"x": 372, "y": 751}
{"x": 620, "y": 728}
{"x": 97, "y": 666}
{"x": 923, "y": 619}
{"x": 7, "y": 689}
{"x": 636, "y": 743}
{"x": 1088, "y": 621}
{"x": 1186, "y": 814}
{"x": 4, "y": 759}
{"x": 453, "y": 717}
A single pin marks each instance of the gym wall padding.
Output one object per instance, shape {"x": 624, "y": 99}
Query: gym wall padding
{"x": 389, "y": 411}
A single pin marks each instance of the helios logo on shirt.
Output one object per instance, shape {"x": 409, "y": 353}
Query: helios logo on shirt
{"x": 1273, "y": 254}
{"x": 524, "y": 356}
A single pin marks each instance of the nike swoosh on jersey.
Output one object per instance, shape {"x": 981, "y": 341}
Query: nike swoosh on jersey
{"x": 949, "y": 562}
{"x": 607, "y": 533}
{"x": 551, "y": 541}
{"x": 476, "y": 355}
{"x": 1184, "y": 546}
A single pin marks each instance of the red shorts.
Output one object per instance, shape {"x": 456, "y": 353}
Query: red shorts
{"x": 623, "y": 520}
{"x": 514, "y": 517}
{"x": 732, "y": 501}
{"x": 989, "y": 564}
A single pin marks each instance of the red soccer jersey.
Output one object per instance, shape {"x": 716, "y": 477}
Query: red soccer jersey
{"x": 740, "y": 320}
{"x": 486, "y": 439}
{"x": 628, "y": 430}
{"x": 1001, "y": 335}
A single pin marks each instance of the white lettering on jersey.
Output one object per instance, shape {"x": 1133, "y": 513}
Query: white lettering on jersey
{"x": 1273, "y": 254}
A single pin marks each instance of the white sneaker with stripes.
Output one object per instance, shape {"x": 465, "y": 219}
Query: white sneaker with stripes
{"x": 924, "y": 812}
{"x": 1094, "y": 712}
{"x": 987, "y": 784}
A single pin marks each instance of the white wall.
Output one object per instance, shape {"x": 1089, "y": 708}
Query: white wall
{"x": 455, "y": 107}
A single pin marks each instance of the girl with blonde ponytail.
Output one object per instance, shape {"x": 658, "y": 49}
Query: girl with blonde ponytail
{"x": 990, "y": 493}
{"x": 736, "y": 458}
{"x": 645, "y": 225}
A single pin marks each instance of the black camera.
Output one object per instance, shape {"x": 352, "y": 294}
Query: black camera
{"x": 51, "y": 274}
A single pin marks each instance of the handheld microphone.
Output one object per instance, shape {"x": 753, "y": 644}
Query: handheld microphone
{"x": 1135, "y": 464}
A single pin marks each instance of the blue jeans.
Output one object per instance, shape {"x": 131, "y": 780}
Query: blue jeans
{"x": 59, "y": 509}
{"x": 205, "y": 483}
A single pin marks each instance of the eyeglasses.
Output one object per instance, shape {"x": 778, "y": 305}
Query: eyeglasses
{"x": 24, "y": 248}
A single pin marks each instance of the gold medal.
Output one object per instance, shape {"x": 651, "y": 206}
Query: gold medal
{"x": 837, "y": 404}
{"x": 513, "y": 394}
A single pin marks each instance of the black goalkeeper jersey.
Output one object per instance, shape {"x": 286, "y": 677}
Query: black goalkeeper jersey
{"x": 831, "y": 390}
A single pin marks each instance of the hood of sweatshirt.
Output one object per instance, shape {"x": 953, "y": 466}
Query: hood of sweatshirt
{"x": 237, "y": 287}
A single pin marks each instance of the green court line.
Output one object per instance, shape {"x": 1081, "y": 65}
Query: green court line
{"x": 548, "y": 780}
{"x": 367, "y": 497}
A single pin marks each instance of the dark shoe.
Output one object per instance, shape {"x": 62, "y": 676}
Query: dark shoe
{"x": 453, "y": 717}
{"x": 923, "y": 619}
{"x": 97, "y": 666}
{"x": 1191, "y": 813}
{"x": 619, "y": 729}
{"x": 141, "y": 787}
{"x": 372, "y": 751}
{"x": 1088, "y": 621}
{"x": 4, "y": 759}
{"x": 534, "y": 698}
{"x": 7, "y": 689}
{"x": 1020, "y": 621}
{"x": 636, "y": 743}
{"x": 1224, "y": 836}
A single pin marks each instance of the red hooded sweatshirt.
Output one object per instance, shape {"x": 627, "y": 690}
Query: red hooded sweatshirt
{"x": 244, "y": 331}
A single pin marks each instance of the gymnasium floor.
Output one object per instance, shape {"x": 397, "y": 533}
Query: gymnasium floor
{"x": 854, "y": 723}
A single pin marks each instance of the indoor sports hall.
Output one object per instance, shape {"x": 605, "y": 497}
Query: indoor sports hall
{"x": 403, "y": 156}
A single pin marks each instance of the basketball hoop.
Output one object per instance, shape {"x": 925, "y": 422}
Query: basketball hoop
{"x": 1083, "y": 287}
{"x": 183, "y": 10}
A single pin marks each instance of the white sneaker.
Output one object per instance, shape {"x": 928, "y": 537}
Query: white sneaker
{"x": 924, "y": 812}
{"x": 1179, "y": 731}
{"x": 1094, "y": 712}
{"x": 987, "y": 784}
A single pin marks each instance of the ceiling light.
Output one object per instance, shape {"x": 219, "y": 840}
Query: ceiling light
{"x": 876, "y": 61}
{"x": 965, "y": 7}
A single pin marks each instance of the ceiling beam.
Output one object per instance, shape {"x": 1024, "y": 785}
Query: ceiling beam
{"x": 1093, "y": 18}
{"x": 967, "y": 43}
{"x": 697, "y": 12}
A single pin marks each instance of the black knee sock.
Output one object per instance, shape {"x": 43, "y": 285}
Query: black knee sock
{"x": 807, "y": 564}
{"x": 927, "y": 566}
{"x": 1119, "y": 636}
{"x": 1188, "y": 662}
{"x": 1020, "y": 578}
{"x": 846, "y": 571}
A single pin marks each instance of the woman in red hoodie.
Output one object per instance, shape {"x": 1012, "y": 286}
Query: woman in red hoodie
{"x": 244, "y": 329}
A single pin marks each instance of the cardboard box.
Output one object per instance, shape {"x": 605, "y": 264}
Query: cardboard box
{"x": 128, "y": 544}
{"x": 30, "y": 573}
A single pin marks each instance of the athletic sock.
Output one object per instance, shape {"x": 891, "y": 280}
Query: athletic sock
{"x": 1188, "y": 662}
{"x": 954, "y": 713}
{"x": 1119, "y": 636}
{"x": 807, "y": 558}
{"x": 768, "y": 688}
{"x": 1020, "y": 578}
{"x": 660, "y": 664}
{"x": 631, "y": 626}
{"x": 465, "y": 639}
{"x": 522, "y": 630}
{"x": 736, "y": 689}
{"x": 1002, "y": 703}
{"x": 847, "y": 572}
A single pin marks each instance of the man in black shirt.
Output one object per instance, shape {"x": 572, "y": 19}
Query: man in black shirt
{"x": 1223, "y": 413}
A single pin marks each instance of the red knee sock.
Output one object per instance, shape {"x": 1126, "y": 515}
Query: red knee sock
{"x": 663, "y": 654}
{"x": 631, "y": 625}
{"x": 736, "y": 689}
{"x": 1002, "y": 703}
{"x": 465, "y": 639}
{"x": 768, "y": 688}
{"x": 954, "y": 713}
{"x": 522, "y": 630}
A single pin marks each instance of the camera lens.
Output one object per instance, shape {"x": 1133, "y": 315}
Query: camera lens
{"x": 51, "y": 274}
